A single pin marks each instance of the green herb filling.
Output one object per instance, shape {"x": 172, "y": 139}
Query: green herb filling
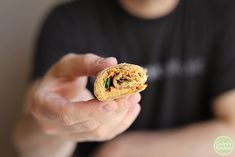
{"x": 108, "y": 82}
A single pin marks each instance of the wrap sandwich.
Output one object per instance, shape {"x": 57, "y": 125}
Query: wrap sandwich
{"x": 119, "y": 80}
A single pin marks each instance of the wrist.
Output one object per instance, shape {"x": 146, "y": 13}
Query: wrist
{"x": 28, "y": 134}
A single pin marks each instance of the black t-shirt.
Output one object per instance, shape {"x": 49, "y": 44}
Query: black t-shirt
{"x": 189, "y": 53}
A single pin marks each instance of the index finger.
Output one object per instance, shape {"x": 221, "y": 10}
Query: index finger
{"x": 73, "y": 65}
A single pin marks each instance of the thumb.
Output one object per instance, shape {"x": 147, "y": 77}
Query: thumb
{"x": 73, "y": 65}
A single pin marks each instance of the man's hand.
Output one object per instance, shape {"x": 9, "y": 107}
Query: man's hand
{"x": 63, "y": 106}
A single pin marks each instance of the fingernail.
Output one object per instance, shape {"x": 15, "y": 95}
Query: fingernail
{"x": 107, "y": 108}
{"x": 112, "y": 60}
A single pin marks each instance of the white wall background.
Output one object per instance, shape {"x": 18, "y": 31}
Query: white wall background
{"x": 19, "y": 23}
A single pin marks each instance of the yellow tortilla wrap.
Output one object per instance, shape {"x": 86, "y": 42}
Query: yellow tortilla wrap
{"x": 120, "y": 80}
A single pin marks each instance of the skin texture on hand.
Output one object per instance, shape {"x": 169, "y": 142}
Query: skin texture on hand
{"x": 64, "y": 107}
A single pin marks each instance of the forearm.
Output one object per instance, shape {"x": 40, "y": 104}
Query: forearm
{"x": 32, "y": 142}
{"x": 195, "y": 140}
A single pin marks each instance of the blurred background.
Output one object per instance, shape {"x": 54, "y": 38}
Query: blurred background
{"x": 19, "y": 24}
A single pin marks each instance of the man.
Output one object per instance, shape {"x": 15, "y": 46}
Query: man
{"x": 188, "y": 48}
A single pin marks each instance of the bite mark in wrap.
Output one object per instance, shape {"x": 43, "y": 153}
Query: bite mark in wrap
{"x": 119, "y": 80}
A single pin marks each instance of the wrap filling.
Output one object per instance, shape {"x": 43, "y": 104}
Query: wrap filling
{"x": 122, "y": 78}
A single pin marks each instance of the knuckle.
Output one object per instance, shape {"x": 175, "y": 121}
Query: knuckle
{"x": 123, "y": 104}
{"x": 88, "y": 55}
{"x": 69, "y": 55}
{"x": 114, "y": 105}
{"x": 100, "y": 134}
{"x": 62, "y": 115}
{"x": 48, "y": 131}
{"x": 65, "y": 59}
{"x": 33, "y": 98}
{"x": 39, "y": 97}
{"x": 34, "y": 108}
{"x": 36, "y": 105}
{"x": 110, "y": 137}
{"x": 65, "y": 119}
{"x": 90, "y": 125}
{"x": 34, "y": 111}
